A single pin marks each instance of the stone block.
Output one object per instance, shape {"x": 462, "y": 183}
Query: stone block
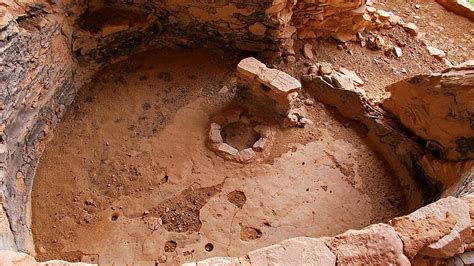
{"x": 376, "y": 244}
{"x": 295, "y": 251}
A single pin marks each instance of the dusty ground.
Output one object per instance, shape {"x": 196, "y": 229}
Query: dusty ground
{"x": 437, "y": 26}
{"x": 128, "y": 172}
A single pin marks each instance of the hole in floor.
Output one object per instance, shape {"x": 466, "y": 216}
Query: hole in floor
{"x": 170, "y": 246}
{"x": 209, "y": 247}
{"x": 239, "y": 135}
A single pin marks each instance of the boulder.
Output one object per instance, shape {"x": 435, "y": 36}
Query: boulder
{"x": 416, "y": 233}
{"x": 438, "y": 108}
{"x": 376, "y": 244}
{"x": 295, "y": 251}
{"x": 437, "y": 230}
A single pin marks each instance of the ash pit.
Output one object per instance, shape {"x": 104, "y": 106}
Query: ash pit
{"x": 129, "y": 170}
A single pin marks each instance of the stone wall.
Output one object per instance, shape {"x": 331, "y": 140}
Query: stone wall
{"x": 330, "y": 18}
{"x": 39, "y": 78}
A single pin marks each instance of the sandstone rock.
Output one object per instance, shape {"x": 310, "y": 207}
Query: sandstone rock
{"x": 460, "y": 7}
{"x": 264, "y": 131}
{"x": 371, "y": 10}
{"x": 439, "y": 213}
{"x": 250, "y": 69}
{"x": 395, "y": 20}
{"x": 343, "y": 82}
{"x": 258, "y": 29}
{"x": 325, "y": 68}
{"x": 351, "y": 74}
{"x": 11, "y": 258}
{"x": 416, "y": 233}
{"x": 437, "y": 53}
{"x": 411, "y": 28}
{"x": 261, "y": 144}
{"x": 227, "y": 149}
{"x": 377, "y": 244}
{"x": 438, "y": 108}
{"x": 375, "y": 42}
{"x": 343, "y": 36}
{"x": 215, "y": 133}
{"x": 295, "y": 251}
{"x": 246, "y": 155}
{"x": 114, "y": 26}
{"x": 382, "y": 14}
{"x": 308, "y": 51}
{"x": 219, "y": 261}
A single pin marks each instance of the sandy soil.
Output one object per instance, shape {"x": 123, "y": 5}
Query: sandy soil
{"x": 128, "y": 178}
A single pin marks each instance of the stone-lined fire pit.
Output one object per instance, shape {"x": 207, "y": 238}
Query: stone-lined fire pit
{"x": 259, "y": 145}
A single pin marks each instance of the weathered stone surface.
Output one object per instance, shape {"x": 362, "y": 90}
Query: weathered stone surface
{"x": 377, "y": 244}
{"x": 460, "y": 7}
{"x": 295, "y": 251}
{"x": 227, "y": 149}
{"x": 411, "y": 28}
{"x": 218, "y": 261}
{"x": 437, "y": 53}
{"x": 7, "y": 241}
{"x": 443, "y": 210}
{"x": 308, "y": 51}
{"x": 343, "y": 82}
{"x": 11, "y": 258}
{"x": 264, "y": 131}
{"x": 351, "y": 74}
{"x": 246, "y": 155}
{"x": 438, "y": 108}
{"x": 416, "y": 233}
{"x": 250, "y": 69}
{"x": 261, "y": 144}
{"x": 215, "y": 133}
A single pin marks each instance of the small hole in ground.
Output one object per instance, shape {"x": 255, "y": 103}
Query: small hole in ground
{"x": 209, "y": 247}
{"x": 114, "y": 217}
{"x": 170, "y": 246}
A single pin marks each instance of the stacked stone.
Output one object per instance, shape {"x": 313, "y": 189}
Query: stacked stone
{"x": 330, "y": 18}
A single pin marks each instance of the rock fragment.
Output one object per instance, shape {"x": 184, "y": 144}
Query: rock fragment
{"x": 227, "y": 149}
{"x": 411, "y": 28}
{"x": 215, "y": 133}
{"x": 351, "y": 74}
{"x": 308, "y": 51}
{"x": 437, "y": 53}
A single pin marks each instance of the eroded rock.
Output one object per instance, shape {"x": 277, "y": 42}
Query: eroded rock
{"x": 438, "y": 108}
{"x": 377, "y": 244}
{"x": 437, "y": 230}
{"x": 295, "y": 251}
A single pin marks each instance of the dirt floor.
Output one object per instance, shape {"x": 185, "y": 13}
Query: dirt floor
{"x": 128, "y": 178}
{"x": 128, "y": 172}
